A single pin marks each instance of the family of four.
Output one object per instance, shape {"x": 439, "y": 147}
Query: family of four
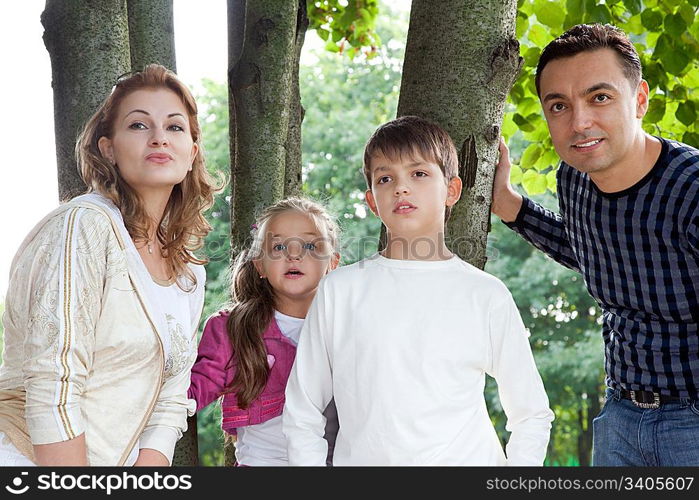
{"x": 381, "y": 362}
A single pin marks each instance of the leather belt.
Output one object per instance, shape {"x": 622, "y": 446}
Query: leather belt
{"x": 648, "y": 399}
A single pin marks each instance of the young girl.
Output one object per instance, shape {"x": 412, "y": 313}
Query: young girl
{"x": 246, "y": 352}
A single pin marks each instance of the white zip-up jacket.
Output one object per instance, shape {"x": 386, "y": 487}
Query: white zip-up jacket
{"x": 85, "y": 342}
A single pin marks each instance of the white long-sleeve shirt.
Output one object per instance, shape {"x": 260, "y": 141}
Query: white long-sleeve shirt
{"x": 404, "y": 346}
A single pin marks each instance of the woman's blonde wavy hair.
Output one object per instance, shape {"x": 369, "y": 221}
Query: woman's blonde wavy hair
{"x": 183, "y": 227}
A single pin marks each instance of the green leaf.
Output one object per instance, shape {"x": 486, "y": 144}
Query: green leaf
{"x": 600, "y": 14}
{"x": 675, "y": 25}
{"x": 534, "y": 182}
{"x": 633, "y": 6}
{"x": 672, "y": 3}
{"x": 691, "y": 79}
{"x": 509, "y": 127}
{"x": 522, "y": 123}
{"x": 324, "y": 34}
{"x": 687, "y": 13}
{"x": 522, "y": 24}
{"x": 538, "y": 35}
{"x": 530, "y": 155}
{"x": 656, "y": 110}
{"x": 549, "y": 13}
{"x": 551, "y": 181}
{"x": 634, "y": 25}
{"x": 662, "y": 46}
{"x": 528, "y": 105}
{"x": 515, "y": 175}
{"x": 675, "y": 61}
{"x": 531, "y": 56}
{"x": 575, "y": 8}
{"x": 330, "y": 46}
{"x": 651, "y": 19}
{"x": 686, "y": 113}
{"x": 691, "y": 138}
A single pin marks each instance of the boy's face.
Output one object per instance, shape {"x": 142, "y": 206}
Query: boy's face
{"x": 409, "y": 195}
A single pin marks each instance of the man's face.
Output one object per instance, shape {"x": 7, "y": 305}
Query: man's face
{"x": 409, "y": 195}
{"x": 593, "y": 113}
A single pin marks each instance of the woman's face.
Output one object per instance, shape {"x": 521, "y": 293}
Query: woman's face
{"x": 151, "y": 143}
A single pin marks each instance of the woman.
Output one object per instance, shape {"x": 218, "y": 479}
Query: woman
{"x": 105, "y": 294}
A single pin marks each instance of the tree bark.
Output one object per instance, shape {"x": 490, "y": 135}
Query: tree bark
{"x": 292, "y": 174}
{"x": 151, "y": 33}
{"x": 459, "y": 67}
{"x": 88, "y": 44}
{"x": 260, "y": 96}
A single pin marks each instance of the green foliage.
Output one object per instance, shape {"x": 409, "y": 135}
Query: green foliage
{"x": 666, "y": 36}
{"x": 346, "y": 26}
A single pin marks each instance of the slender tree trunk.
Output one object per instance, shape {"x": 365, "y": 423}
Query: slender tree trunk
{"x": 292, "y": 177}
{"x": 585, "y": 434}
{"x": 151, "y": 33}
{"x": 459, "y": 66}
{"x": 88, "y": 43}
{"x": 260, "y": 96}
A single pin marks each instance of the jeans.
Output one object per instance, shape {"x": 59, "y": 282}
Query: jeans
{"x": 625, "y": 435}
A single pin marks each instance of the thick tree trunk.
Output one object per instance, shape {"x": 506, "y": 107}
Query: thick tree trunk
{"x": 260, "y": 96}
{"x": 88, "y": 43}
{"x": 292, "y": 175}
{"x": 151, "y": 33}
{"x": 459, "y": 66}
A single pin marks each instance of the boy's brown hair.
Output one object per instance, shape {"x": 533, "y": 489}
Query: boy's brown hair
{"x": 412, "y": 136}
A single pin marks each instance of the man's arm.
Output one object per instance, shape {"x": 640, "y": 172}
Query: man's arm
{"x": 309, "y": 390}
{"x": 539, "y": 226}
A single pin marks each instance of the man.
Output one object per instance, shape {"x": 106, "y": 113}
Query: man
{"x": 629, "y": 223}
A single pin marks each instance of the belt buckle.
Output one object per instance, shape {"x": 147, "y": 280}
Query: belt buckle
{"x": 642, "y": 404}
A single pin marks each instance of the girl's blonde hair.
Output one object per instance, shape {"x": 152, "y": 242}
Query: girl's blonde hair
{"x": 253, "y": 298}
{"x": 183, "y": 227}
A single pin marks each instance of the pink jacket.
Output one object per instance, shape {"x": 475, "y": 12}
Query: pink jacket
{"x": 211, "y": 374}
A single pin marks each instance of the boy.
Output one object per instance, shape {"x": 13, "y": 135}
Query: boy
{"x": 403, "y": 340}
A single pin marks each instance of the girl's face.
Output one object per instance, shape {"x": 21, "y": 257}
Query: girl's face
{"x": 295, "y": 256}
{"x": 151, "y": 143}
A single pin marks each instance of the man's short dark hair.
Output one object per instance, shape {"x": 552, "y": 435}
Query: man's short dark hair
{"x": 588, "y": 37}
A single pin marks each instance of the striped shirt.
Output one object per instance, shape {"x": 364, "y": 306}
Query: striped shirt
{"x": 638, "y": 251}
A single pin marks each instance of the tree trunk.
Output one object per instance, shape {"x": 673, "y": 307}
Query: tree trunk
{"x": 585, "y": 435}
{"x": 260, "y": 97}
{"x": 292, "y": 175}
{"x": 151, "y": 33}
{"x": 88, "y": 43}
{"x": 459, "y": 67}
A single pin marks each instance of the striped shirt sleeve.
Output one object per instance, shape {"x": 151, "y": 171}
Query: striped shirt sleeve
{"x": 68, "y": 266}
{"x": 546, "y": 231}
